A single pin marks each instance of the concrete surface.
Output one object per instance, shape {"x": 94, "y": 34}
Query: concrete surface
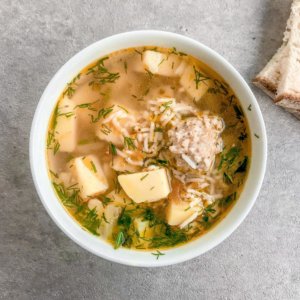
{"x": 261, "y": 260}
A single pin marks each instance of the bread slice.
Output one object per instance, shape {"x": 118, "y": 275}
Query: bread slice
{"x": 288, "y": 91}
{"x": 269, "y": 76}
{"x": 279, "y": 79}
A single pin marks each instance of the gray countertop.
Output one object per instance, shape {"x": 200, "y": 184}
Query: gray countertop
{"x": 260, "y": 260}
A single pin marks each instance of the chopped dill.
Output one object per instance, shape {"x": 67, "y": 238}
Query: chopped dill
{"x": 53, "y": 174}
{"x": 120, "y": 239}
{"x": 256, "y": 135}
{"x": 93, "y": 167}
{"x": 56, "y": 147}
{"x": 125, "y": 66}
{"x": 174, "y": 51}
{"x": 88, "y": 105}
{"x": 238, "y": 111}
{"x": 243, "y": 166}
{"x": 162, "y": 162}
{"x": 105, "y": 129}
{"x": 149, "y": 73}
{"x": 67, "y": 114}
{"x": 158, "y": 254}
{"x": 229, "y": 157}
{"x": 243, "y": 136}
{"x": 70, "y": 90}
{"x": 143, "y": 177}
{"x": 91, "y": 221}
{"x": 158, "y": 129}
{"x": 113, "y": 149}
{"x": 102, "y": 113}
{"x": 129, "y": 143}
{"x": 101, "y": 75}
{"x": 250, "y": 107}
{"x": 123, "y": 108}
{"x": 139, "y": 52}
{"x": 227, "y": 178}
{"x": 106, "y": 200}
{"x": 199, "y": 77}
{"x": 104, "y": 218}
{"x": 167, "y": 105}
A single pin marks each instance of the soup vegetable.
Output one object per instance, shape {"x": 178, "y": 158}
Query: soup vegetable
{"x": 148, "y": 148}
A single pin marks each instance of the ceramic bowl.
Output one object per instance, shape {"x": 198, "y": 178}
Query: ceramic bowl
{"x": 38, "y": 145}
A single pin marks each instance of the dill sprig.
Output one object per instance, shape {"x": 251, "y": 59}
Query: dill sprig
{"x": 101, "y": 75}
{"x": 88, "y": 105}
{"x": 129, "y": 143}
{"x": 102, "y": 113}
{"x": 71, "y": 86}
{"x": 158, "y": 254}
{"x": 199, "y": 77}
{"x": 174, "y": 51}
{"x": 70, "y": 198}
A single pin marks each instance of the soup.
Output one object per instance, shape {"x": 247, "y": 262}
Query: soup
{"x": 148, "y": 148}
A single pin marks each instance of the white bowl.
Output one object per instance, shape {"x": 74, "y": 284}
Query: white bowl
{"x": 38, "y": 145}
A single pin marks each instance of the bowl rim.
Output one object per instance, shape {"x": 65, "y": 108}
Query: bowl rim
{"x": 93, "y": 244}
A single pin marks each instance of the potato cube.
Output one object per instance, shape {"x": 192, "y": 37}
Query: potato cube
{"x": 111, "y": 213}
{"x": 66, "y": 126}
{"x": 163, "y": 64}
{"x": 187, "y": 81}
{"x": 90, "y": 177}
{"x": 177, "y": 212}
{"x": 146, "y": 186}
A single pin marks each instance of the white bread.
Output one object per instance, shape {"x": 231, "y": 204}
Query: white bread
{"x": 269, "y": 77}
{"x": 288, "y": 90}
{"x": 279, "y": 79}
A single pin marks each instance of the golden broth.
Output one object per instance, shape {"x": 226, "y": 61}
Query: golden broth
{"x": 128, "y": 85}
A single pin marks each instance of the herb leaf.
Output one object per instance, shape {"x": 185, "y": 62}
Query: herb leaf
{"x": 120, "y": 239}
{"x": 101, "y": 75}
{"x": 243, "y": 166}
{"x": 158, "y": 254}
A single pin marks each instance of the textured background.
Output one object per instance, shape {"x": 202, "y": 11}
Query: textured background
{"x": 261, "y": 259}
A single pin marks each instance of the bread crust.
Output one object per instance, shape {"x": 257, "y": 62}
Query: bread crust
{"x": 266, "y": 85}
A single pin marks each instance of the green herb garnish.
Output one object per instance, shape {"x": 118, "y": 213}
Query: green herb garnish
{"x": 243, "y": 166}
{"x": 93, "y": 167}
{"x": 102, "y": 113}
{"x": 70, "y": 90}
{"x": 199, "y": 77}
{"x": 158, "y": 254}
{"x": 143, "y": 177}
{"x": 101, "y": 75}
{"x": 129, "y": 143}
{"x": 120, "y": 239}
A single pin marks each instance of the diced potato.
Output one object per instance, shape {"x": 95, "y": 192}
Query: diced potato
{"x": 146, "y": 186}
{"x": 111, "y": 213}
{"x": 120, "y": 197}
{"x": 66, "y": 127}
{"x": 90, "y": 176}
{"x": 142, "y": 227}
{"x": 121, "y": 165}
{"x": 163, "y": 64}
{"x": 97, "y": 205}
{"x": 187, "y": 81}
{"x": 177, "y": 212}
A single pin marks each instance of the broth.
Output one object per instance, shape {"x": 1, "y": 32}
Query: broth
{"x": 148, "y": 148}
